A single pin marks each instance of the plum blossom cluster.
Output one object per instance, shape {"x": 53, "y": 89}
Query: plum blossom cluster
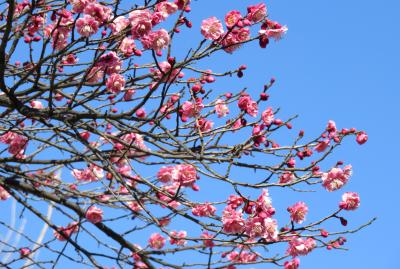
{"x": 238, "y": 28}
{"x": 336, "y": 178}
{"x": 182, "y": 174}
{"x": 259, "y": 224}
{"x": 17, "y": 143}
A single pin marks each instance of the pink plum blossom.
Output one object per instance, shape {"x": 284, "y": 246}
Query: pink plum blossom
{"x": 110, "y": 63}
{"x": 186, "y": 174}
{"x": 94, "y": 214}
{"x": 63, "y": 233}
{"x": 286, "y": 177}
{"x": 266, "y": 228}
{"x": 87, "y": 26}
{"x": 178, "y": 238}
{"x": 204, "y": 210}
{"x": 4, "y": 195}
{"x": 98, "y": 11}
{"x": 322, "y": 145}
{"x": 221, "y": 108}
{"x": 119, "y": 23}
{"x": 350, "y": 201}
{"x": 166, "y": 8}
{"x": 211, "y": 28}
{"x": 247, "y": 104}
{"x": 361, "y": 138}
{"x": 293, "y": 264}
{"x": 156, "y": 241}
{"x": 232, "y": 18}
{"x": 157, "y": 40}
{"x": 115, "y": 83}
{"x": 190, "y": 110}
{"x": 94, "y": 75}
{"x": 267, "y": 116}
{"x": 298, "y": 212}
{"x": 24, "y": 252}
{"x": 336, "y": 177}
{"x": 257, "y": 13}
{"x": 232, "y": 220}
{"x": 301, "y": 247}
{"x": 127, "y": 46}
{"x": 141, "y": 23}
{"x": 91, "y": 173}
{"x": 79, "y": 5}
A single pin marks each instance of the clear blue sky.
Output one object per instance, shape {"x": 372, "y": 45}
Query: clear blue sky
{"x": 339, "y": 60}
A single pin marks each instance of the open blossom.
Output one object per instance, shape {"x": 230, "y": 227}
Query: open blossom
{"x": 79, "y": 5}
{"x": 91, "y": 173}
{"x": 234, "y": 38}
{"x": 247, "y": 104}
{"x": 293, "y": 264}
{"x": 242, "y": 257}
{"x": 298, "y": 212}
{"x": 204, "y": 125}
{"x": 267, "y": 116}
{"x": 264, "y": 205}
{"x": 166, "y": 74}
{"x": 141, "y": 23}
{"x": 361, "y": 138}
{"x": 4, "y": 195}
{"x": 156, "y": 241}
{"x": 234, "y": 201}
{"x": 115, "y": 83}
{"x": 94, "y": 214}
{"x": 98, "y": 11}
{"x": 221, "y": 108}
{"x": 94, "y": 75}
{"x": 336, "y": 177}
{"x": 157, "y": 40}
{"x": 186, "y": 174}
{"x": 87, "y": 26}
{"x": 167, "y": 174}
{"x": 266, "y": 228}
{"x": 211, "y": 28}
{"x": 233, "y": 222}
{"x": 350, "y": 201}
{"x": 127, "y": 46}
{"x": 276, "y": 34}
{"x": 166, "y": 8}
{"x": 110, "y": 63}
{"x": 171, "y": 190}
{"x": 190, "y": 110}
{"x": 232, "y": 18}
{"x": 178, "y": 238}
{"x": 257, "y": 13}
{"x": 16, "y": 143}
{"x": 286, "y": 177}
{"x": 204, "y": 210}
{"x": 69, "y": 59}
{"x": 118, "y": 24}
{"x": 301, "y": 247}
